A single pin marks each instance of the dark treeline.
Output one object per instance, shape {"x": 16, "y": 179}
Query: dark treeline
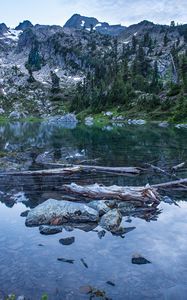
{"x": 128, "y": 76}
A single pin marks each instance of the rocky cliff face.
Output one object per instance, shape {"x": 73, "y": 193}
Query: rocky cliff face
{"x": 31, "y": 55}
{"x": 80, "y": 22}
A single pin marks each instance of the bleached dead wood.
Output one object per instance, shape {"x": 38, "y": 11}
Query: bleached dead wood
{"x": 117, "y": 170}
{"x": 96, "y": 191}
{"x": 179, "y": 166}
{"x": 64, "y": 170}
{"x": 171, "y": 184}
{"x": 159, "y": 170}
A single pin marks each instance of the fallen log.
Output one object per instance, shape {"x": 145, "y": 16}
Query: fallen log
{"x": 179, "y": 166}
{"x": 157, "y": 169}
{"x": 64, "y": 169}
{"x": 106, "y": 169}
{"x": 171, "y": 184}
{"x": 142, "y": 194}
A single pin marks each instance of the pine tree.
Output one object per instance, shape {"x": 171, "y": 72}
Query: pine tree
{"x": 166, "y": 40}
{"x": 184, "y": 72}
{"x": 134, "y": 44}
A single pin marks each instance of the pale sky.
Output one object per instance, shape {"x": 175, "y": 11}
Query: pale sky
{"x": 125, "y": 12}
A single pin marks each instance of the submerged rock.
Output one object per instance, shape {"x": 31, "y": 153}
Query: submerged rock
{"x": 122, "y": 230}
{"x": 86, "y": 227}
{"x": 100, "y": 206}
{"x": 111, "y": 220}
{"x": 65, "y": 211}
{"x": 47, "y": 230}
{"x": 110, "y": 283}
{"x": 69, "y": 261}
{"x": 139, "y": 260}
{"x": 87, "y": 289}
{"x": 67, "y": 241}
{"x": 84, "y": 263}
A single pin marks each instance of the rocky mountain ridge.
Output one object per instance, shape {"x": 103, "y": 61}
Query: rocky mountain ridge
{"x": 88, "y": 23}
{"x": 40, "y": 65}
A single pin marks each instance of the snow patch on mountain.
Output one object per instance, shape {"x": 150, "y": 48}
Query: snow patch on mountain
{"x": 12, "y": 34}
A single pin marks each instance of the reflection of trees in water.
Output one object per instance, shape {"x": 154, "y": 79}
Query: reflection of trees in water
{"x": 128, "y": 146}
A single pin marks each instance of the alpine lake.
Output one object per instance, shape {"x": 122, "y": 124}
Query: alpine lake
{"x": 100, "y": 263}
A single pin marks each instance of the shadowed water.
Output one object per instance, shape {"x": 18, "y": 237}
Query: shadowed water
{"x": 28, "y": 259}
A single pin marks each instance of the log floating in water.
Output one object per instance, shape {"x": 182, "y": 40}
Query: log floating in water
{"x": 65, "y": 170}
{"x": 179, "y": 166}
{"x": 117, "y": 170}
{"x": 171, "y": 184}
{"x": 142, "y": 194}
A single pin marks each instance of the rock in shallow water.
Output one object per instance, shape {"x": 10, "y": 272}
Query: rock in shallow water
{"x": 139, "y": 260}
{"x": 65, "y": 211}
{"x": 111, "y": 220}
{"x": 67, "y": 241}
{"x": 47, "y": 230}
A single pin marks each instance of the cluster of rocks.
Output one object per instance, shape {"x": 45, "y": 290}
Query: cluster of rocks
{"x": 53, "y": 214}
{"x": 67, "y": 121}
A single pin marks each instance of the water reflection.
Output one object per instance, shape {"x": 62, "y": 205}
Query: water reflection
{"x": 29, "y": 259}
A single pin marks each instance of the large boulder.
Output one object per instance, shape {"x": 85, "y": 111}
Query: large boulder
{"x": 111, "y": 220}
{"x": 53, "y": 212}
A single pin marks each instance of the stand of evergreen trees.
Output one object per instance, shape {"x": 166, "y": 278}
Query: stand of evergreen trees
{"x": 117, "y": 78}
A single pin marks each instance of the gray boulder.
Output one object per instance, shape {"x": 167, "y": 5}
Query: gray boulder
{"x": 100, "y": 206}
{"x": 111, "y": 220}
{"x": 59, "y": 212}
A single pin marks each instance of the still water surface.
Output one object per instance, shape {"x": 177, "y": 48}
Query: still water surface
{"x": 28, "y": 260}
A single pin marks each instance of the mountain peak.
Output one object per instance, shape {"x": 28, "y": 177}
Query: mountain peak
{"x": 3, "y": 28}
{"x": 81, "y": 22}
{"x": 24, "y": 25}
{"x": 145, "y": 23}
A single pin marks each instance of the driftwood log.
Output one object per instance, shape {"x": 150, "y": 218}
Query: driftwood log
{"x": 145, "y": 194}
{"x": 171, "y": 184}
{"x": 70, "y": 169}
{"x": 47, "y": 172}
{"x": 105, "y": 169}
{"x": 179, "y": 166}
